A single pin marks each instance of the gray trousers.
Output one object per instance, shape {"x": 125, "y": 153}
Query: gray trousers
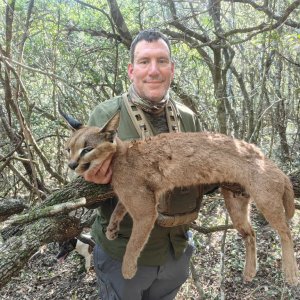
{"x": 149, "y": 283}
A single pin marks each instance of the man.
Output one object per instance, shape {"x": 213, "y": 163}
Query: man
{"x": 146, "y": 110}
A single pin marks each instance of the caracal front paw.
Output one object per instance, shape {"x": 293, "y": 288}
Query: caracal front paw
{"x": 111, "y": 232}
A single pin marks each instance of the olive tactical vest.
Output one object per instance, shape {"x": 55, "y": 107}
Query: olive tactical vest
{"x": 156, "y": 250}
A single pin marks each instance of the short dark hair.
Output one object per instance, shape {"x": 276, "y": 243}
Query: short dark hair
{"x": 148, "y": 35}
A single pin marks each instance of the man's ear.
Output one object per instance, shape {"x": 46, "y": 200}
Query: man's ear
{"x": 130, "y": 71}
{"x": 172, "y": 69}
{"x": 73, "y": 124}
{"x": 113, "y": 123}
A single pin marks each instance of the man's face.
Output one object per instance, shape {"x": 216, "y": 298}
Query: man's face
{"x": 152, "y": 70}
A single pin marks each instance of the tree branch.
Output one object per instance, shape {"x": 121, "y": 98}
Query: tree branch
{"x": 209, "y": 230}
{"x": 48, "y": 211}
{"x": 7, "y": 61}
{"x": 267, "y": 11}
{"x": 176, "y": 23}
{"x": 9, "y": 207}
{"x": 181, "y": 36}
{"x": 281, "y": 20}
{"x": 120, "y": 23}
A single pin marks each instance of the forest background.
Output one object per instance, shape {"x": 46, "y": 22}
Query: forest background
{"x": 237, "y": 67}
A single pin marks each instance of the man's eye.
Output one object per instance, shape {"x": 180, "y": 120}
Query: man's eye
{"x": 163, "y": 61}
{"x": 143, "y": 62}
{"x": 68, "y": 150}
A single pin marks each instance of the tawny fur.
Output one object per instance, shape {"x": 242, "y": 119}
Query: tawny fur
{"x": 173, "y": 160}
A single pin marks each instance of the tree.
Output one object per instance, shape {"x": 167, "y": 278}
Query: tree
{"x": 237, "y": 68}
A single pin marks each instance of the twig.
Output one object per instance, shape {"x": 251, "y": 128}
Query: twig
{"x": 197, "y": 280}
{"x": 4, "y": 158}
{"x": 22, "y": 178}
{"x": 44, "y": 212}
{"x": 206, "y": 230}
{"x": 222, "y": 263}
{"x": 52, "y": 76}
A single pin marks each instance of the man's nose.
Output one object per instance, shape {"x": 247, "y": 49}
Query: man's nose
{"x": 154, "y": 68}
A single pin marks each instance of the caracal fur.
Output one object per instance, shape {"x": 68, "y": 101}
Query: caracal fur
{"x": 166, "y": 161}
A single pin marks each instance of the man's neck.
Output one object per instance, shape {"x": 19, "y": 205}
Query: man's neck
{"x": 145, "y": 104}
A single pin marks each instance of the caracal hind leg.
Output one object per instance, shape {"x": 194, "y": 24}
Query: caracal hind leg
{"x": 143, "y": 222}
{"x": 274, "y": 213}
{"x": 238, "y": 209}
{"x": 115, "y": 220}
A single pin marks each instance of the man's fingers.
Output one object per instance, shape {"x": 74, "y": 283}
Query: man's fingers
{"x": 105, "y": 165}
{"x": 90, "y": 174}
{"x": 100, "y": 174}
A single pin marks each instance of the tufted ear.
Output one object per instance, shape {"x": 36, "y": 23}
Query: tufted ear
{"x": 73, "y": 124}
{"x": 112, "y": 124}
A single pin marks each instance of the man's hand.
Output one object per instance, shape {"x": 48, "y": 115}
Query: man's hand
{"x": 100, "y": 174}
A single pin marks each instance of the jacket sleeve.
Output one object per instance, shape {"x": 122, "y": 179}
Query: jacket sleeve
{"x": 189, "y": 121}
{"x": 103, "y": 112}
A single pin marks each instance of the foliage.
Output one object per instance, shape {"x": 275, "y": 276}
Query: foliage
{"x": 237, "y": 67}
{"x": 233, "y": 65}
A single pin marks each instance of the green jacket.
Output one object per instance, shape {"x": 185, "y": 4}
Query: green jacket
{"x": 156, "y": 250}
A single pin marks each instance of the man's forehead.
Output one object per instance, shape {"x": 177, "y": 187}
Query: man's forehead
{"x": 154, "y": 48}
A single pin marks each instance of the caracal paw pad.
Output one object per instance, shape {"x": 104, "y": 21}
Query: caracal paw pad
{"x": 111, "y": 234}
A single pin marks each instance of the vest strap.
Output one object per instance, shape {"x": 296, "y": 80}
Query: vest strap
{"x": 141, "y": 123}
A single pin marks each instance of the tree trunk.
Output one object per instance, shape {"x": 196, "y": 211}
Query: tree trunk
{"x": 295, "y": 179}
{"x": 15, "y": 253}
{"x": 9, "y": 207}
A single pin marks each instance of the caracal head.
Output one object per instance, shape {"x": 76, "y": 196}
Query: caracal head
{"x": 89, "y": 146}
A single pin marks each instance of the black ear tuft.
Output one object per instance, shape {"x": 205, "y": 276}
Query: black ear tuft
{"x": 74, "y": 124}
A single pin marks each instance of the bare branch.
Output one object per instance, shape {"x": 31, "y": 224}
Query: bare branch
{"x": 98, "y": 32}
{"x": 88, "y": 5}
{"x": 209, "y": 230}
{"x": 267, "y": 11}
{"x": 48, "y": 211}
{"x": 197, "y": 279}
{"x": 181, "y": 36}
{"x": 176, "y": 23}
{"x": 9, "y": 207}
{"x": 7, "y": 61}
{"x": 281, "y": 20}
{"x": 120, "y": 22}
{"x": 288, "y": 59}
{"x": 27, "y": 132}
{"x": 27, "y": 184}
{"x": 4, "y": 158}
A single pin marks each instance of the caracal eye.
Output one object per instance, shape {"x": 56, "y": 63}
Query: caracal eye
{"x": 86, "y": 150}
